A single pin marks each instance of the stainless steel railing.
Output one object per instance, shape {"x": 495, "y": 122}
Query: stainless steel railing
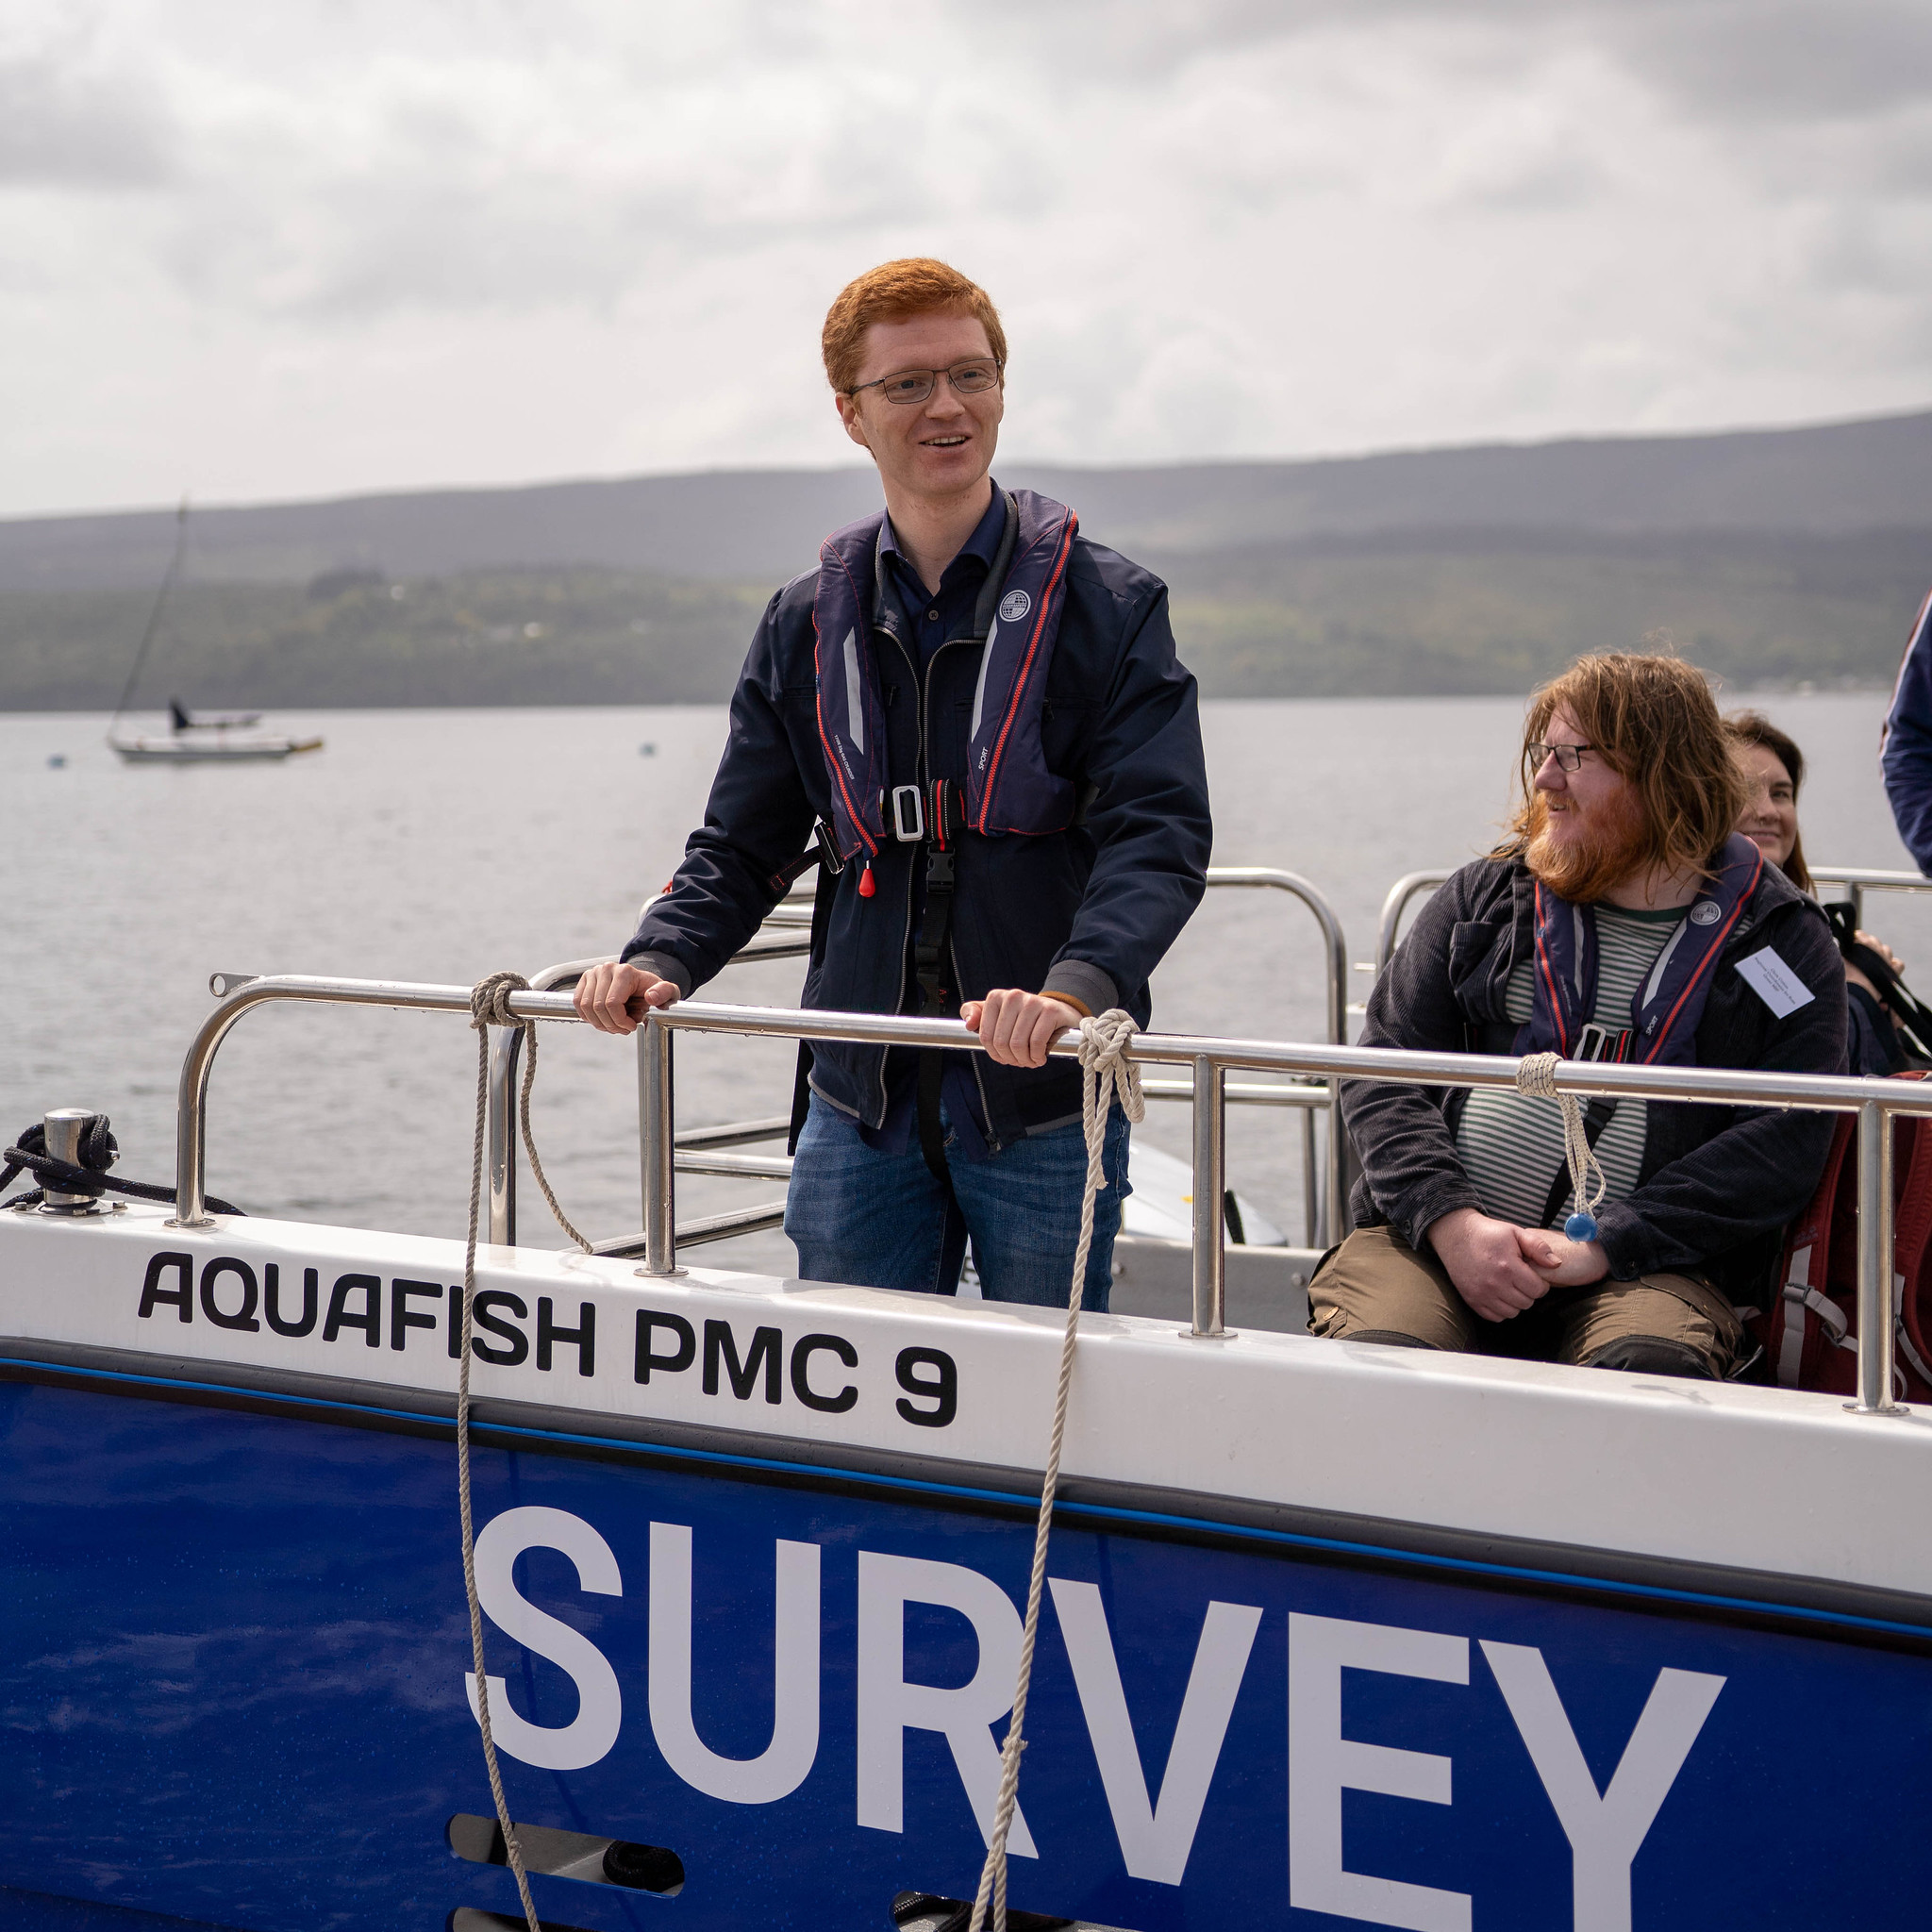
{"x": 1860, "y": 878}
{"x": 1324, "y": 1207}
{"x": 1875, "y": 1102}
{"x": 785, "y": 935}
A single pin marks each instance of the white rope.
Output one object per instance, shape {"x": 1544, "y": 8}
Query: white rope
{"x": 489, "y": 1006}
{"x": 1536, "y": 1079}
{"x": 1104, "y": 1069}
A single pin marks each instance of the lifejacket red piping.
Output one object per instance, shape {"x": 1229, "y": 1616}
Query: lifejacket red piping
{"x": 1710, "y": 955}
{"x": 1542, "y": 961}
{"x": 1066, "y": 545}
{"x": 833, "y": 762}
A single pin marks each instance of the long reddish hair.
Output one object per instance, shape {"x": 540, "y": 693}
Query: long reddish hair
{"x": 1652, "y": 720}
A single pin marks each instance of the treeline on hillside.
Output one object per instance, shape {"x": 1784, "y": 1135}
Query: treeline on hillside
{"x": 574, "y": 636}
{"x": 1437, "y": 613}
{"x": 1496, "y": 613}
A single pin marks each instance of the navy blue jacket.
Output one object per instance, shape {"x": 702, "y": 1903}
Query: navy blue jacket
{"x": 1905, "y": 751}
{"x": 1717, "y": 1184}
{"x": 1088, "y": 911}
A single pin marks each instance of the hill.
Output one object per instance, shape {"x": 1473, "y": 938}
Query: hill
{"x": 761, "y": 525}
{"x": 1771, "y": 556}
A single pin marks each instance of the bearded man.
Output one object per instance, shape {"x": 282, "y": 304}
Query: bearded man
{"x": 1623, "y": 920}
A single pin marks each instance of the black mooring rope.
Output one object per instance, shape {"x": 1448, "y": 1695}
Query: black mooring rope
{"x": 98, "y": 1152}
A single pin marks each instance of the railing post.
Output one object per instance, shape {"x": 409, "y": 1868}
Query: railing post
{"x": 506, "y": 1050}
{"x": 191, "y": 1148}
{"x": 1210, "y": 1188}
{"x": 1875, "y": 1264}
{"x": 1335, "y": 1202}
{"x": 1311, "y": 1181}
{"x": 657, "y": 1147}
{"x": 1325, "y": 1220}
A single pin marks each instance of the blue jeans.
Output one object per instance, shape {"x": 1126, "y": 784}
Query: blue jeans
{"x": 877, "y": 1220}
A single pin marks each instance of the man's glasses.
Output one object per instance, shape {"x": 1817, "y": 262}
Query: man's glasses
{"x": 915, "y": 385}
{"x": 1568, "y": 756}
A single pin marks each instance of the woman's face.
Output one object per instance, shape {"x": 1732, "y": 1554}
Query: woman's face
{"x": 1771, "y": 815}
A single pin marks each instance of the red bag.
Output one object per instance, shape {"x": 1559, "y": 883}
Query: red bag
{"x": 1810, "y": 1334}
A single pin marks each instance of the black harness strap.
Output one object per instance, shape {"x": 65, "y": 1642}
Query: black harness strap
{"x": 932, "y": 964}
{"x": 1910, "y": 1020}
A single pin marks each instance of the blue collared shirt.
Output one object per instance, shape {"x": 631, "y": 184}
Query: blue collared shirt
{"x": 933, "y": 617}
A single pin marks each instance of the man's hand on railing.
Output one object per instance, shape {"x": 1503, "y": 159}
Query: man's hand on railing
{"x": 1018, "y": 1027}
{"x": 613, "y": 998}
{"x": 1486, "y": 1262}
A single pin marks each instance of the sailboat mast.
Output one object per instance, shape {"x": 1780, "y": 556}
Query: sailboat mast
{"x": 154, "y": 616}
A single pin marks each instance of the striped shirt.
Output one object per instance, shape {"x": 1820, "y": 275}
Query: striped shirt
{"x": 1512, "y": 1147}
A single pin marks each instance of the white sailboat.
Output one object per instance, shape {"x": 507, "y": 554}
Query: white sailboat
{"x": 204, "y": 738}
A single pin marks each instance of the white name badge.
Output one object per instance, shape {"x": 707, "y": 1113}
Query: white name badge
{"x": 1775, "y": 983}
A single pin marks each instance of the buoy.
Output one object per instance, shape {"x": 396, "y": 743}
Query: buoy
{"x": 866, "y": 886}
{"x": 1581, "y": 1228}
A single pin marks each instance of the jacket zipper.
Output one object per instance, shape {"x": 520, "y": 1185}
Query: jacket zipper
{"x": 919, "y": 770}
{"x": 993, "y": 1144}
{"x": 922, "y": 686}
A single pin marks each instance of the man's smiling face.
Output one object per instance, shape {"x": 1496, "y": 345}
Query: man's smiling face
{"x": 943, "y": 446}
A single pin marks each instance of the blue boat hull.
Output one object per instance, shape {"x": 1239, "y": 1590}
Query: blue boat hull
{"x": 234, "y": 1694}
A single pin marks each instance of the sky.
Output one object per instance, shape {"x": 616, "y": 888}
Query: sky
{"x": 327, "y": 246}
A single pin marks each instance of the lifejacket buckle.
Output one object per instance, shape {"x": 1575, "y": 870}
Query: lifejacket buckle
{"x": 908, "y": 814}
{"x": 827, "y": 847}
{"x": 1599, "y": 1043}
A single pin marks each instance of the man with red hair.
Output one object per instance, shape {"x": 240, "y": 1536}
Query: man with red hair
{"x": 1623, "y": 920}
{"x": 978, "y": 715}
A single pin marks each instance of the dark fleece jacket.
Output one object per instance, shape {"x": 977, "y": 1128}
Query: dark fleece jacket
{"x": 1717, "y": 1184}
{"x": 1088, "y": 911}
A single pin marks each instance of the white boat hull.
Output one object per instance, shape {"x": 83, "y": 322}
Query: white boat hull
{"x": 236, "y": 751}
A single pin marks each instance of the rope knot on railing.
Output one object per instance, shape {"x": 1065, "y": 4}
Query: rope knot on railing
{"x": 489, "y": 1007}
{"x": 490, "y": 1003}
{"x": 1536, "y": 1079}
{"x": 1104, "y": 1041}
{"x": 1536, "y": 1075}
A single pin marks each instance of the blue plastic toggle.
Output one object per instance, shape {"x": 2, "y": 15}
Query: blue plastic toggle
{"x": 1581, "y": 1226}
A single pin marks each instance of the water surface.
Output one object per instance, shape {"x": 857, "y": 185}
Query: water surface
{"x": 443, "y": 845}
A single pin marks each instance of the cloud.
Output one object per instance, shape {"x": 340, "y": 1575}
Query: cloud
{"x": 493, "y": 239}
{"x": 1769, "y": 63}
{"x": 70, "y": 120}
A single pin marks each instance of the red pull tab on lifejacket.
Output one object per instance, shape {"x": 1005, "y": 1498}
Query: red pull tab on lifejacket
{"x": 867, "y": 887}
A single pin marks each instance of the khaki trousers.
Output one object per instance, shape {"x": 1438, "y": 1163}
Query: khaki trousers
{"x": 1376, "y": 1288}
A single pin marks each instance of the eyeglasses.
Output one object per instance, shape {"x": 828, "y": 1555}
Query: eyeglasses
{"x": 914, "y": 385}
{"x": 1568, "y": 756}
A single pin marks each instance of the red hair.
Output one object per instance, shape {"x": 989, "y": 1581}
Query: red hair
{"x": 916, "y": 286}
{"x": 1652, "y": 718}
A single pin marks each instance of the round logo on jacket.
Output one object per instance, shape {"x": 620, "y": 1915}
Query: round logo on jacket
{"x": 1705, "y": 913}
{"x": 1014, "y": 606}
